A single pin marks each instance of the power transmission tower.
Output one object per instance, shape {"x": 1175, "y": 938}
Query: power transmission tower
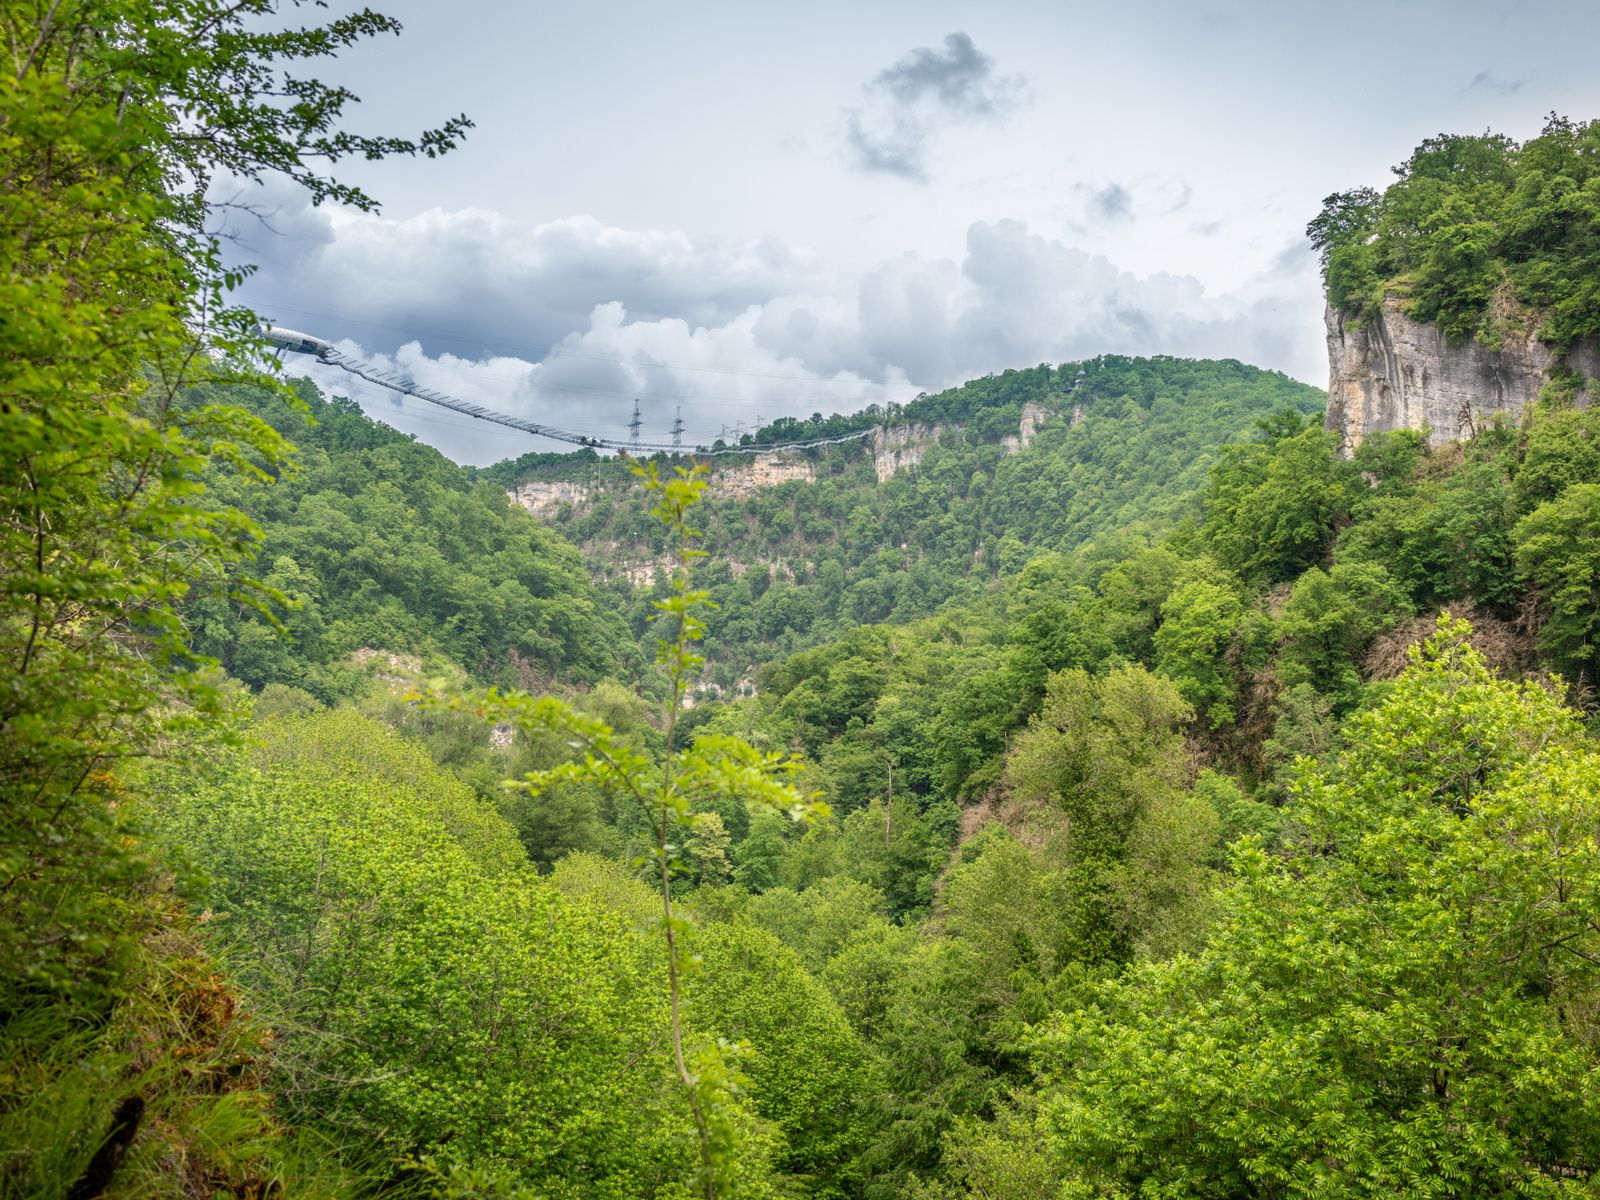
{"x": 633, "y": 425}
{"x": 677, "y": 427}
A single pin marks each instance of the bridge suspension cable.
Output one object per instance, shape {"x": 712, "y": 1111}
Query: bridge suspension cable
{"x": 322, "y": 351}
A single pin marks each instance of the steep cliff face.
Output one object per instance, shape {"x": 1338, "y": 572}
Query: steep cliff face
{"x": 745, "y": 479}
{"x": 897, "y": 447}
{"x": 541, "y": 498}
{"x": 1395, "y": 373}
{"x": 1033, "y": 416}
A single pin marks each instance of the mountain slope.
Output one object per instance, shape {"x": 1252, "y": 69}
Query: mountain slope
{"x": 382, "y": 542}
{"x": 1119, "y": 442}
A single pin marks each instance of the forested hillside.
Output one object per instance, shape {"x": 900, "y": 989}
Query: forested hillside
{"x": 131, "y": 1063}
{"x": 1034, "y": 858}
{"x": 379, "y": 542}
{"x": 1174, "y": 806}
{"x": 1122, "y": 443}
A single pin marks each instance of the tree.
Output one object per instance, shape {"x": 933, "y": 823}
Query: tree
{"x": 1329, "y": 619}
{"x": 115, "y": 116}
{"x": 1558, "y": 555}
{"x": 671, "y": 793}
{"x": 808, "y": 1070}
{"x": 1131, "y": 596}
{"x": 1442, "y": 540}
{"x": 1273, "y": 506}
{"x": 1563, "y": 448}
{"x": 1104, "y": 756}
{"x": 386, "y": 544}
{"x": 432, "y": 996}
{"x": 1199, "y": 622}
{"x": 1477, "y": 233}
{"x": 1339, "y": 233}
{"x": 1401, "y": 1006}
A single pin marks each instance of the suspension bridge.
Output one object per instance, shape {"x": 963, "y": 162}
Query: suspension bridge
{"x": 294, "y": 342}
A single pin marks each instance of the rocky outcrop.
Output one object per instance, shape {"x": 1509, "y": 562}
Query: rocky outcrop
{"x": 738, "y": 481}
{"x": 897, "y": 447}
{"x": 761, "y": 471}
{"x": 700, "y": 692}
{"x": 1396, "y": 373}
{"x": 543, "y": 498}
{"x": 644, "y": 574}
{"x": 1033, "y": 416}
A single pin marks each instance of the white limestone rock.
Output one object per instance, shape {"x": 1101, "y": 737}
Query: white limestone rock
{"x": 1396, "y": 373}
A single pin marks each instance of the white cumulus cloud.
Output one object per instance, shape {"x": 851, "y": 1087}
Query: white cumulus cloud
{"x": 575, "y": 320}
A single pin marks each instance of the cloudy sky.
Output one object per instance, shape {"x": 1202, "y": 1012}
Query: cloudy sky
{"x": 755, "y": 209}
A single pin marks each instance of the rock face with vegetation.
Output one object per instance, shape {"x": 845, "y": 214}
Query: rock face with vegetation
{"x": 764, "y": 471}
{"x": 1467, "y": 288}
{"x": 897, "y": 448}
{"x": 875, "y": 537}
{"x": 542, "y": 497}
{"x": 1392, "y": 372}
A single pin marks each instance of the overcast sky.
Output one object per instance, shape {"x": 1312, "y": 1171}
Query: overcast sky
{"x": 752, "y": 209}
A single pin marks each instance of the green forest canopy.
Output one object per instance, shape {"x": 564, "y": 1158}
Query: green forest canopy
{"x": 1482, "y": 234}
{"x": 380, "y": 542}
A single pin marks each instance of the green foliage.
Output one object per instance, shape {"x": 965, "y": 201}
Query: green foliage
{"x": 573, "y": 817}
{"x": 381, "y": 542}
{"x": 1200, "y": 621}
{"x": 1062, "y": 704}
{"x": 1104, "y": 754}
{"x": 1562, "y": 449}
{"x": 1303, "y": 726}
{"x": 807, "y": 1069}
{"x": 431, "y": 994}
{"x": 1327, "y": 622}
{"x": 672, "y": 793}
{"x": 896, "y": 847}
{"x": 114, "y": 119}
{"x": 1124, "y": 441}
{"x": 1474, "y": 232}
{"x": 1238, "y": 816}
{"x": 1273, "y": 505}
{"x": 1399, "y": 1007}
{"x": 1558, "y": 554}
{"x": 1106, "y": 904}
{"x": 179, "y": 1066}
{"x": 1442, "y": 539}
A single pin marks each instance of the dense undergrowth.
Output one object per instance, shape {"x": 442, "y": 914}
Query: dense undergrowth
{"x": 1029, "y": 865}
